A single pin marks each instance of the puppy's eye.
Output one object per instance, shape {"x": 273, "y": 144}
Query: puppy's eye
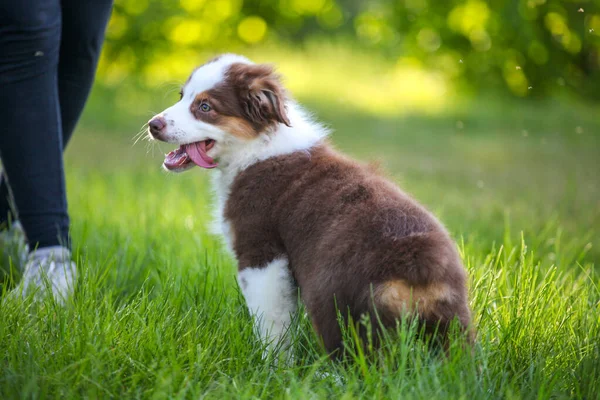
{"x": 180, "y": 94}
{"x": 205, "y": 107}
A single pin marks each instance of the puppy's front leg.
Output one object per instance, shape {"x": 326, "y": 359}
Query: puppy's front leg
{"x": 271, "y": 297}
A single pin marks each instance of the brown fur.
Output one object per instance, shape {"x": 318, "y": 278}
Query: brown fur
{"x": 352, "y": 238}
{"x": 249, "y": 102}
{"x": 222, "y": 113}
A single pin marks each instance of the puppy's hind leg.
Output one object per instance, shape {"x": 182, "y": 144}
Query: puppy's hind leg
{"x": 271, "y": 297}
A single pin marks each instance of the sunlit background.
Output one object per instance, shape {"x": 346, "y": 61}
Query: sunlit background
{"x": 487, "y": 111}
{"x": 379, "y": 57}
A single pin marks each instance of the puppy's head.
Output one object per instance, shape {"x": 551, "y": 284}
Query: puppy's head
{"x": 225, "y": 102}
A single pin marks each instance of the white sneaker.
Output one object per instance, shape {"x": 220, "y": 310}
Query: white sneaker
{"x": 50, "y": 268}
{"x": 13, "y": 248}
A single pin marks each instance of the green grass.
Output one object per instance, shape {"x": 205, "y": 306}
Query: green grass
{"x": 158, "y": 314}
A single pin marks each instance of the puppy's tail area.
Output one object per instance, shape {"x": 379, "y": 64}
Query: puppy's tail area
{"x": 429, "y": 284}
{"x": 428, "y": 257}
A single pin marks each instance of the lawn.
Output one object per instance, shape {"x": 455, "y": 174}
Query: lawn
{"x": 158, "y": 314}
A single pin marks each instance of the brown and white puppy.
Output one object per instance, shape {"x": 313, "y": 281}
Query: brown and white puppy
{"x": 297, "y": 214}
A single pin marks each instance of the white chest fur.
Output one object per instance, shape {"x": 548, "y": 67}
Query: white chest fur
{"x": 221, "y": 184}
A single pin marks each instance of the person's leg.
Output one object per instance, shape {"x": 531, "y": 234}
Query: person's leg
{"x": 6, "y": 215}
{"x": 83, "y": 26}
{"x": 84, "y": 23}
{"x": 31, "y": 141}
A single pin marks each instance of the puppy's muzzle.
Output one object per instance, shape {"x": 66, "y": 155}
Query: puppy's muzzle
{"x": 156, "y": 126}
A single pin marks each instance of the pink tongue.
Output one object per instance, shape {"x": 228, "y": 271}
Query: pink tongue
{"x": 197, "y": 152}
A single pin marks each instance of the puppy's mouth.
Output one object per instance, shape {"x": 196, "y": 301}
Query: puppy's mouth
{"x": 188, "y": 154}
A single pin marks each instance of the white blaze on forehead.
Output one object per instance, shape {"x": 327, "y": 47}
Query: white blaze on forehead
{"x": 182, "y": 126}
{"x": 209, "y": 75}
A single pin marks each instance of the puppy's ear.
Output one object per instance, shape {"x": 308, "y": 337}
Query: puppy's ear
{"x": 261, "y": 93}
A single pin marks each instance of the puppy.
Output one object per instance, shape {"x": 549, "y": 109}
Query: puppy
{"x": 298, "y": 214}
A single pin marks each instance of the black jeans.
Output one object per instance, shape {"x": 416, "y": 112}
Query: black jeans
{"x": 49, "y": 50}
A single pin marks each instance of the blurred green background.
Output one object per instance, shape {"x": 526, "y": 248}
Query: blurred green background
{"x": 527, "y": 48}
{"x": 486, "y": 111}
{"x": 378, "y": 57}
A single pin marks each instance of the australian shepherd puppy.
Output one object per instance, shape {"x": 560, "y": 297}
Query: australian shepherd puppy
{"x": 299, "y": 215}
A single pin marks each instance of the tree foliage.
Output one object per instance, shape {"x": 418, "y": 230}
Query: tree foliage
{"x": 528, "y": 47}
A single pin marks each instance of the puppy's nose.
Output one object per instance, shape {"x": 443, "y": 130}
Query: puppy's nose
{"x": 156, "y": 125}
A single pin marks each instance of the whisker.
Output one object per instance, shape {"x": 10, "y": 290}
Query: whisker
{"x": 169, "y": 84}
{"x": 149, "y": 147}
{"x": 170, "y": 91}
{"x": 154, "y": 145}
{"x": 143, "y": 130}
{"x": 140, "y": 137}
